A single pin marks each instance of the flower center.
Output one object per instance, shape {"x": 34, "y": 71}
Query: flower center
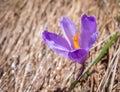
{"x": 76, "y": 41}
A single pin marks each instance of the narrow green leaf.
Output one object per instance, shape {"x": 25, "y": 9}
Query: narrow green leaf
{"x": 104, "y": 50}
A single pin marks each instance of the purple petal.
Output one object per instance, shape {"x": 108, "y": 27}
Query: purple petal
{"x": 89, "y": 32}
{"x": 78, "y": 55}
{"x": 68, "y": 28}
{"x": 56, "y": 42}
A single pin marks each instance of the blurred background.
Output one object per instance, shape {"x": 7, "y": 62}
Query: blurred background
{"x": 28, "y": 65}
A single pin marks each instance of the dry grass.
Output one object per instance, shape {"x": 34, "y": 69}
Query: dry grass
{"x": 28, "y": 65}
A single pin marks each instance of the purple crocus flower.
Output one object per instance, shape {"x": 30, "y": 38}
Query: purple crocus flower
{"x": 75, "y": 45}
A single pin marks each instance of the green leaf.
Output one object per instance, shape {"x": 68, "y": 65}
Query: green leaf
{"x": 102, "y": 53}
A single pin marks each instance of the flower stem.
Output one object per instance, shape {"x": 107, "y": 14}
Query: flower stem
{"x": 82, "y": 70}
{"x": 104, "y": 50}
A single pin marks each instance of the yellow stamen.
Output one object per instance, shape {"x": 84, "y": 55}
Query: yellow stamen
{"x": 76, "y": 41}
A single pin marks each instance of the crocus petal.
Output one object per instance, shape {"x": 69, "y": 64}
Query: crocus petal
{"x": 89, "y": 32}
{"x": 56, "y": 42}
{"x": 69, "y": 29}
{"x": 78, "y": 55}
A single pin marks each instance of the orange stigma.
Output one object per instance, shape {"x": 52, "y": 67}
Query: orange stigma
{"x": 76, "y": 41}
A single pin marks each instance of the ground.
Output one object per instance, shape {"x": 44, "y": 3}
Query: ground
{"x": 27, "y": 64}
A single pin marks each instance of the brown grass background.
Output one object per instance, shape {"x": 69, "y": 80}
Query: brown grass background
{"x": 28, "y": 65}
